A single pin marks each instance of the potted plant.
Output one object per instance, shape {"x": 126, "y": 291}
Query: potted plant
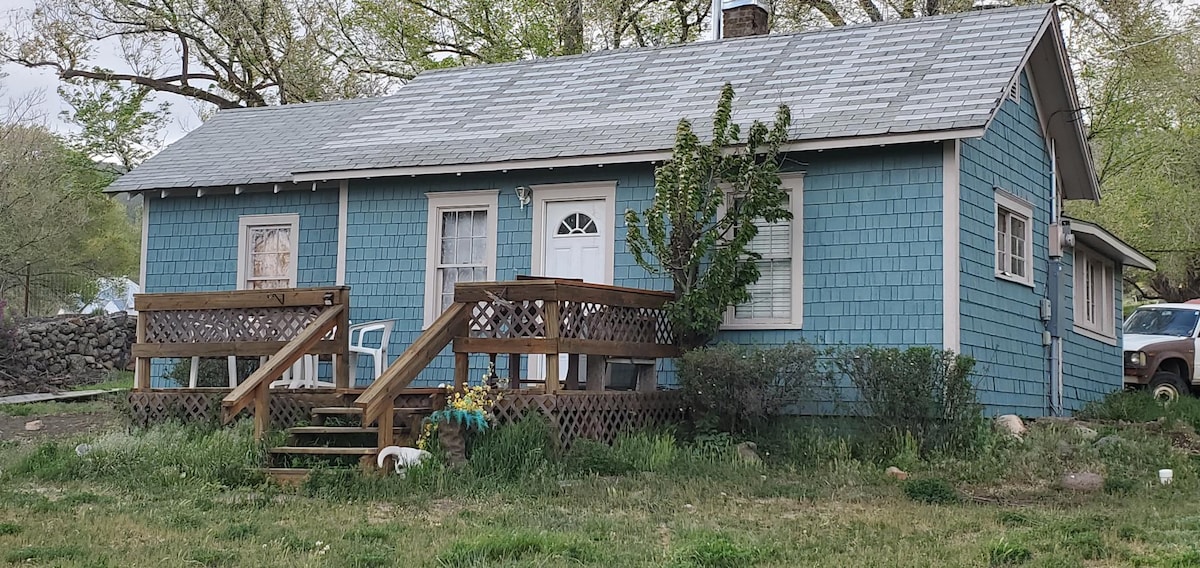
{"x": 466, "y": 410}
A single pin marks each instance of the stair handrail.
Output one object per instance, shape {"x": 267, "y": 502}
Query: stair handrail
{"x": 380, "y": 397}
{"x": 256, "y": 388}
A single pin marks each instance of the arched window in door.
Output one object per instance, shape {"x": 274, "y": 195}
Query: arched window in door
{"x": 577, "y": 224}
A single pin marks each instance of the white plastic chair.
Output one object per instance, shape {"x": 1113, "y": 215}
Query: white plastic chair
{"x": 358, "y": 347}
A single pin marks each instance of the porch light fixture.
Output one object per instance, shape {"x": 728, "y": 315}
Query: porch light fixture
{"x": 524, "y": 195}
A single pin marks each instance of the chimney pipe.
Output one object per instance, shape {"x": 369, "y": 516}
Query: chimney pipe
{"x": 741, "y": 18}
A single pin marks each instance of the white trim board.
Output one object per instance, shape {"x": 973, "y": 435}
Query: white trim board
{"x": 553, "y": 193}
{"x": 487, "y": 200}
{"x": 145, "y": 243}
{"x": 793, "y": 182}
{"x": 247, "y": 221}
{"x": 343, "y": 224}
{"x": 951, "y": 247}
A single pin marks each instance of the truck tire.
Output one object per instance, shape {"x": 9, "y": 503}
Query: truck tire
{"x": 1167, "y": 386}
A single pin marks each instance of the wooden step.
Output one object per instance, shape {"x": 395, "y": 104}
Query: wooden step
{"x": 337, "y": 410}
{"x": 323, "y": 450}
{"x": 333, "y": 430}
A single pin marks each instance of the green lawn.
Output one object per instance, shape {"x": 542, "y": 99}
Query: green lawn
{"x": 176, "y": 496}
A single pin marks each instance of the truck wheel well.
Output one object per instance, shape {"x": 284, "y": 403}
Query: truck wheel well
{"x": 1177, "y": 366}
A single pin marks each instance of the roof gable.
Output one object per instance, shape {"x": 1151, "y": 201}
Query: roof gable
{"x": 933, "y": 77}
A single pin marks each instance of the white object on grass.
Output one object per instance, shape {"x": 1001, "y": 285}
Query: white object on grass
{"x": 1166, "y": 476}
{"x": 403, "y": 457}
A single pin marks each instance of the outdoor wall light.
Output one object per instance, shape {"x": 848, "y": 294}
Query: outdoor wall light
{"x": 524, "y": 195}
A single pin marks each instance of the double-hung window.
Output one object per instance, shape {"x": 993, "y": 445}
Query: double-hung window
{"x": 1095, "y": 294}
{"x": 1014, "y": 239}
{"x": 776, "y": 299}
{"x": 461, "y": 245}
{"x": 267, "y": 251}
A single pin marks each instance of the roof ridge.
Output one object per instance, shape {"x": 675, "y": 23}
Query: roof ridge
{"x": 309, "y": 104}
{"x": 701, "y": 44}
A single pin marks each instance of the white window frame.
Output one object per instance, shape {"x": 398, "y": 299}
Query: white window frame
{"x": 794, "y": 184}
{"x": 247, "y": 222}
{"x": 1008, "y": 205}
{"x": 1102, "y": 326}
{"x": 441, "y": 202}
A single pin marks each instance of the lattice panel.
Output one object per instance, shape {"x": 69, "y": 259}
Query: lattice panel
{"x": 287, "y": 409}
{"x": 599, "y": 416}
{"x": 586, "y": 320}
{"x": 501, "y": 319}
{"x": 229, "y": 324}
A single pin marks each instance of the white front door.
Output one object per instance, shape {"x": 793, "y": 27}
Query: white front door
{"x": 575, "y": 238}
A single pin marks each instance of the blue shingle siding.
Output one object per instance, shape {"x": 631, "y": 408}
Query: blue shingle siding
{"x": 387, "y": 229}
{"x": 1091, "y": 368}
{"x": 1001, "y": 328}
{"x": 191, "y": 245}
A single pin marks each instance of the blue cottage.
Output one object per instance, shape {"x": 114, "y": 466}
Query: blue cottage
{"x": 928, "y": 167}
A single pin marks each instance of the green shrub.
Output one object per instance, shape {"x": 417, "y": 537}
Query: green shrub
{"x": 930, "y": 490}
{"x": 735, "y": 387}
{"x": 920, "y": 391}
{"x": 1008, "y": 553}
{"x": 9, "y": 528}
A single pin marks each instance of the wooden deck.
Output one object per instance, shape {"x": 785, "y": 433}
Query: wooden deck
{"x": 587, "y": 327}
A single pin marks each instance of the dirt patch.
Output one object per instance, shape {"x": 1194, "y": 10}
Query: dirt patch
{"x": 55, "y": 425}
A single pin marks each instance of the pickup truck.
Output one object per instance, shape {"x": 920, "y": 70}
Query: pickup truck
{"x": 1160, "y": 349}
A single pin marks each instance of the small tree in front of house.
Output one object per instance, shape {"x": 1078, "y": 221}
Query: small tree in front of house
{"x": 707, "y": 199}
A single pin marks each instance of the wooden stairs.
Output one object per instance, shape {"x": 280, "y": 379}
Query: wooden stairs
{"x": 336, "y": 438}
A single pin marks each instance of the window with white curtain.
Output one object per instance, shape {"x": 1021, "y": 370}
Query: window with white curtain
{"x": 776, "y": 298}
{"x": 267, "y": 251}
{"x": 461, "y": 245}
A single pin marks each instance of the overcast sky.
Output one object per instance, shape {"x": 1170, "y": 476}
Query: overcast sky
{"x": 22, "y": 82}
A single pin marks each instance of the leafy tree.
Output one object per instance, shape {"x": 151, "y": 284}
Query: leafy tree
{"x": 1139, "y": 81}
{"x": 114, "y": 121}
{"x": 707, "y": 201}
{"x": 54, "y": 219}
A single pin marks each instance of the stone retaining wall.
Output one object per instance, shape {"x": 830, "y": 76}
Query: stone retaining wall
{"x": 49, "y": 354}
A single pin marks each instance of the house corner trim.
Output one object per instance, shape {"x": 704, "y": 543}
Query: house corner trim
{"x": 343, "y": 224}
{"x": 951, "y": 246}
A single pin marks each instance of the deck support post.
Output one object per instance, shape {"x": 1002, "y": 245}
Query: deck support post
{"x": 262, "y": 410}
{"x": 514, "y": 371}
{"x": 572, "y": 372}
{"x": 462, "y": 370}
{"x": 141, "y": 368}
{"x": 597, "y": 372}
{"x": 553, "y": 323}
{"x": 387, "y": 427}
{"x": 647, "y": 376}
{"x": 341, "y": 337}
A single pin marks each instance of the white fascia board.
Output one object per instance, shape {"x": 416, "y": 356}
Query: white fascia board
{"x": 633, "y": 157}
{"x": 1103, "y": 242}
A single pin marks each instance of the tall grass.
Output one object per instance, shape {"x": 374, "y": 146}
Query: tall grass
{"x": 164, "y": 455}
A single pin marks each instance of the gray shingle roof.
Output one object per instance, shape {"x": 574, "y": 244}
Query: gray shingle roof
{"x": 905, "y": 76}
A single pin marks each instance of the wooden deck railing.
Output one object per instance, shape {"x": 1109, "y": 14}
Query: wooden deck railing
{"x": 379, "y": 399}
{"x": 257, "y": 387}
{"x": 554, "y": 317}
{"x": 245, "y": 323}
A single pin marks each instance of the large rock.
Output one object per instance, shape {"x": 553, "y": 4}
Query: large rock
{"x": 747, "y": 451}
{"x": 1085, "y": 481}
{"x": 1011, "y": 425}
